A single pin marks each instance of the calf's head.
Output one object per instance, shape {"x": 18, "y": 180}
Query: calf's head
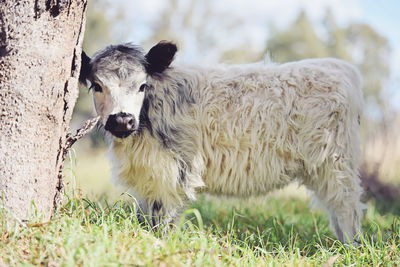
{"x": 118, "y": 76}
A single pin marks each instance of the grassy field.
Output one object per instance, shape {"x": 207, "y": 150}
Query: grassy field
{"x": 277, "y": 230}
{"x": 259, "y": 232}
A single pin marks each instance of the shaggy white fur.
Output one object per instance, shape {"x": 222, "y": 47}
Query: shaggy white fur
{"x": 254, "y": 130}
{"x": 246, "y": 130}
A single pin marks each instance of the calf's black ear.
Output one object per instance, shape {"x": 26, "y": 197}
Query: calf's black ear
{"x": 86, "y": 68}
{"x": 160, "y": 57}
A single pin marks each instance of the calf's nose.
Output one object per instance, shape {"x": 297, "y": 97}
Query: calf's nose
{"x": 120, "y": 122}
{"x": 124, "y": 122}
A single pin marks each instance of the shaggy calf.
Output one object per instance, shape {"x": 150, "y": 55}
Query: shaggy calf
{"x": 231, "y": 130}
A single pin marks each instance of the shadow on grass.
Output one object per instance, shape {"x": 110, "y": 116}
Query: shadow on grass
{"x": 384, "y": 206}
{"x": 386, "y": 196}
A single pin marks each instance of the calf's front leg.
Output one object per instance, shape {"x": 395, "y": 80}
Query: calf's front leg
{"x": 156, "y": 214}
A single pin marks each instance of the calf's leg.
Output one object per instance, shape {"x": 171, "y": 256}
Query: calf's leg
{"x": 337, "y": 188}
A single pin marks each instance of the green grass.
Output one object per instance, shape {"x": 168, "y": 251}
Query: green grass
{"x": 96, "y": 227}
{"x": 217, "y": 232}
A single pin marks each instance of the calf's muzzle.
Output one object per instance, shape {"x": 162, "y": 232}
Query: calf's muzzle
{"x": 121, "y": 124}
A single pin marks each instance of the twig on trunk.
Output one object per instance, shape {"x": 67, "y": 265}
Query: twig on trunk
{"x": 70, "y": 140}
{"x": 87, "y": 127}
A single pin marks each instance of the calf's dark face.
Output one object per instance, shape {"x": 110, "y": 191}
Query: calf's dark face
{"x": 118, "y": 77}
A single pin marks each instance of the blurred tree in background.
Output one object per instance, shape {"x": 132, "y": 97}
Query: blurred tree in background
{"x": 297, "y": 42}
{"x": 356, "y": 43}
{"x": 98, "y": 26}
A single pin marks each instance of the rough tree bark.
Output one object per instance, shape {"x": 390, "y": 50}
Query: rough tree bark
{"x": 40, "y": 47}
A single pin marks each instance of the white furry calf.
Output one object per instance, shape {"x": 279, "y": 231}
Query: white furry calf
{"x": 240, "y": 130}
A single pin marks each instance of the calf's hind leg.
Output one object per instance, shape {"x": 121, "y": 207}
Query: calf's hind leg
{"x": 339, "y": 191}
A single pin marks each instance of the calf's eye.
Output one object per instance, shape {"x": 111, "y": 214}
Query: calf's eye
{"x": 96, "y": 87}
{"x": 142, "y": 87}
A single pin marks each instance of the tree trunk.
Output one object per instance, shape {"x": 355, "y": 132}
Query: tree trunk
{"x": 40, "y": 47}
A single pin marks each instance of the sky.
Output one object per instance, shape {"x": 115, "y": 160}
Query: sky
{"x": 256, "y": 15}
{"x": 384, "y": 17}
